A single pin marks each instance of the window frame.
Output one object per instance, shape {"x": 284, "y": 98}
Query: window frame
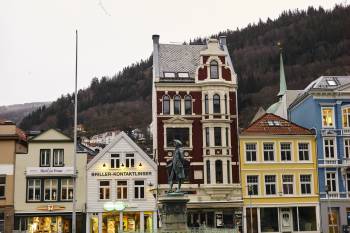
{"x": 343, "y": 109}
{"x": 304, "y": 182}
{"x": 188, "y": 105}
{"x": 177, "y": 101}
{"x": 334, "y": 148}
{"x": 207, "y": 136}
{"x": 123, "y": 190}
{"x": 288, "y": 183}
{"x": 250, "y": 150}
{"x": 68, "y": 186}
{"x": 217, "y": 143}
{"x": 273, "y": 150}
{"x": 165, "y": 98}
{"x": 216, "y": 104}
{"x": 253, "y": 183}
{"x": 104, "y": 190}
{"x": 206, "y": 104}
{"x": 303, "y": 150}
{"x": 335, "y": 179}
{"x": 139, "y": 189}
{"x": 130, "y": 160}
{"x": 51, "y": 189}
{"x": 270, "y": 183}
{"x": 116, "y": 160}
{"x": 208, "y": 171}
{"x": 283, "y": 150}
{"x": 54, "y": 158}
{"x": 346, "y": 147}
{"x": 333, "y": 117}
{"x": 3, "y": 186}
{"x": 219, "y": 164}
{"x": 41, "y": 159}
{"x": 34, "y": 189}
{"x": 214, "y": 64}
{"x": 180, "y": 126}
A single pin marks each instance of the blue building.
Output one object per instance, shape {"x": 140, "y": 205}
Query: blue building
{"x": 324, "y": 105}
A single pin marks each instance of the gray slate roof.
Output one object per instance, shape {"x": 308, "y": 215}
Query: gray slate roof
{"x": 322, "y": 82}
{"x": 179, "y": 58}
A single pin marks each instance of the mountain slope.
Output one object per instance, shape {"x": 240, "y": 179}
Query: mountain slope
{"x": 315, "y": 42}
{"x": 17, "y": 112}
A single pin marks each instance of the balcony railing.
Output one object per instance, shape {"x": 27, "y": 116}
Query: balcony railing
{"x": 335, "y": 132}
{"x": 335, "y": 195}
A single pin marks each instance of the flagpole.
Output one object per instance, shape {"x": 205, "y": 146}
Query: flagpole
{"x": 75, "y": 135}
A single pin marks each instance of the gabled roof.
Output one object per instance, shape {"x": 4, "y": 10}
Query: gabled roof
{"x": 53, "y": 135}
{"x": 270, "y": 124}
{"x": 179, "y": 58}
{"x": 122, "y": 135}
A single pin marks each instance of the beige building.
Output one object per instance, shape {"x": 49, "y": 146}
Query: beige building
{"x": 12, "y": 141}
{"x": 44, "y": 185}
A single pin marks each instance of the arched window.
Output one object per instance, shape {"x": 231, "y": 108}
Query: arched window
{"x": 188, "y": 104}
{"x": 214, "y": 71}
{"x": 218, "y": 171}
{"x": 206, "y": 104}
{"x": 346, "y": 117}
{"x": 216, "y": 103}
{"x": 208, "y": 171}
{"x": 166, "y": 104}
{"x": 177, "y": 105}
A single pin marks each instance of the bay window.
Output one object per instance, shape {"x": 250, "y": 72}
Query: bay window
{"x": 327, "y": 117}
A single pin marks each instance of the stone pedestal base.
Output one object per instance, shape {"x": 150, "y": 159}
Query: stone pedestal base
{"x": 173, "y": 212}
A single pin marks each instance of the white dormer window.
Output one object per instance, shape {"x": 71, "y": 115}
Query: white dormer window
{"x": 169, "y": 75}
{"x": 214, "y": 70}
{"x": 331, "y": 83}
{"x": 183, "y": 75}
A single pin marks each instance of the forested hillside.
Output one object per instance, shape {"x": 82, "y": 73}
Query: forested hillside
{"x": 315, "y": 42}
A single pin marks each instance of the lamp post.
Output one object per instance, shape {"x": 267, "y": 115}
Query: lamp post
{"x": 330, "y": 215}
{"x": 250, "y": 191}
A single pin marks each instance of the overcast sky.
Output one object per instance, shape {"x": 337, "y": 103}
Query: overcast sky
{"x": 37, "y": 43}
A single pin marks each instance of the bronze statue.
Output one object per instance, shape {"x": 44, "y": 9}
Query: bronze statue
{"x": 176, "y": 167}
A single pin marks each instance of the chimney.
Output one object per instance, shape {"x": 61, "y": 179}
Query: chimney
{"x": 222, "y": 40}
{"x": 155, "y": 39}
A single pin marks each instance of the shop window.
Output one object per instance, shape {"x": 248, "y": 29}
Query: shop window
{"x": 104, "y": 190}
{"x": 327, "y": 118}
{"x": 115, "y": 160}
{"x": 34, "y": 190}
{"x": 346, "y": 117}
{"x": 218, "y": 172}
{"x": 269, "y": 220}
{"x": 269, "y": 153}
{"x": 166, "y": 104}
{"x": 329, "y": 148}
{"x": 286, "y": 154}
{"x": 50, "y": 189}
{"x": 206, "y": 104}
{"x": 214, "y": 70}
{"x": 250, "y": 152}
{"x": 188, "y": 105}
{"x": 307, "y": 219}
{"x": 252, "y": 220}
{"x": 177, "y": 105}
{"x": 122, "y": 189}
{"x": 288, "y": 183}
{"x": 148, "y": 222}
{"x": 208, "y": 171}
{"x": 58, "y": 157}
{"x": 333, "y": 220}
{"x": 331, "y": 181}
{"x": 347, "y": 148}
{"x": 45, "y": 155}
{"x": 304, "y": 152}
{"x": 2, "y": 222}
{"x": 270, "y": 185}
{"x": 207, "y": 137}
{"x": 217, "y": 136}
{"x": 139, "y": 189}
{"x": 182, "y": 134}
{"x": 2, "y": 186}
{"x": 66, "y": 189}
{"x": 305, "y": 183}
{"x": 253, "y": 185}
{"x": 129, "y": 160}
{"x": 216, "y": 104}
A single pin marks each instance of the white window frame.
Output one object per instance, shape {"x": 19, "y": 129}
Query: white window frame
{"x": 122, "y": 191}
{"x": 346, "y": 146}
{"x": 138, "y": 188}
{"x": 3, "y": 185}
{"x": 47, "y": 156}
{"x": 274, "y": 152}
{"x": 334, "y": 146}
{"x": 333, "y": 117}
{"x": 309, "y": 151}
{"x": 115, "y": 159}
{"x": 257, "y": 184}
{"x": 69, "y": 186}
{"x": 276, "y": 186}
{"x": 245, "y": 152}
{"x": 292, "y": 183}
{"x": 347, "y": 114}
{"x": 104, "y": 190}
{"x": 51, "y": 187}
{"x": 303, "y": 182}
{"x": 34, "y": 186}
{"x": 130, "y": 160}
{"x": 60, "y": 157}
{"x": 336, "y": 180}
{"x": 290, "y": 149}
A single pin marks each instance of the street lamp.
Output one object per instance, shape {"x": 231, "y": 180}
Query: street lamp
{"x": 250, "y": 192}
{"x": 330, "y": 215}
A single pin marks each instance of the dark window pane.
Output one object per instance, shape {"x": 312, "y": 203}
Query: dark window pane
{"x": 181, "y": 134}
{"x": 177, "y": 105}
{"x": 166, "y": 105}
{"x": 216, "y": 104}
{"x": 214, "y": 71}
{"x": 217, "y": 136}
{"x": 188, "y": 105}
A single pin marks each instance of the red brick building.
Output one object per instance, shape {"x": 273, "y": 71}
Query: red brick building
{"x": 195, "y": 101}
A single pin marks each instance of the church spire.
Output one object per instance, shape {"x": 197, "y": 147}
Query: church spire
{"x": 283, "y": 85}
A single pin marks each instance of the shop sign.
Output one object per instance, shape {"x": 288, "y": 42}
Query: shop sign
{"x": 115, "y": 173}
{"x": 51, "y": 207}
{"x": 117, "y": 206}
{"x": 40, "y": 171}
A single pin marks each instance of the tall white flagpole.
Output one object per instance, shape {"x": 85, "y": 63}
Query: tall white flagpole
{"x": 75, "y": 136}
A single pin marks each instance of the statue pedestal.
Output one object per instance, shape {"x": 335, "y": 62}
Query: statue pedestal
{"x": 173, "y": 212}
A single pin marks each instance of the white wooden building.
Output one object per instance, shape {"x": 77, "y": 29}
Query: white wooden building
{"x": 119, "y": 180}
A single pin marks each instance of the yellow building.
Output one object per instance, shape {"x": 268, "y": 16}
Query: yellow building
{"x": 279, "y": 177}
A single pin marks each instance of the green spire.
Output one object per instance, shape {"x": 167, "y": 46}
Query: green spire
{"x": 283, "y": 85}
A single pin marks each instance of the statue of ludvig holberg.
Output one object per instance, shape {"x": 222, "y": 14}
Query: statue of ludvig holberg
{"x": 176, "y": 167}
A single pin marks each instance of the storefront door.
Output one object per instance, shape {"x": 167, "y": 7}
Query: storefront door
{"x": 286, "y": 220}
